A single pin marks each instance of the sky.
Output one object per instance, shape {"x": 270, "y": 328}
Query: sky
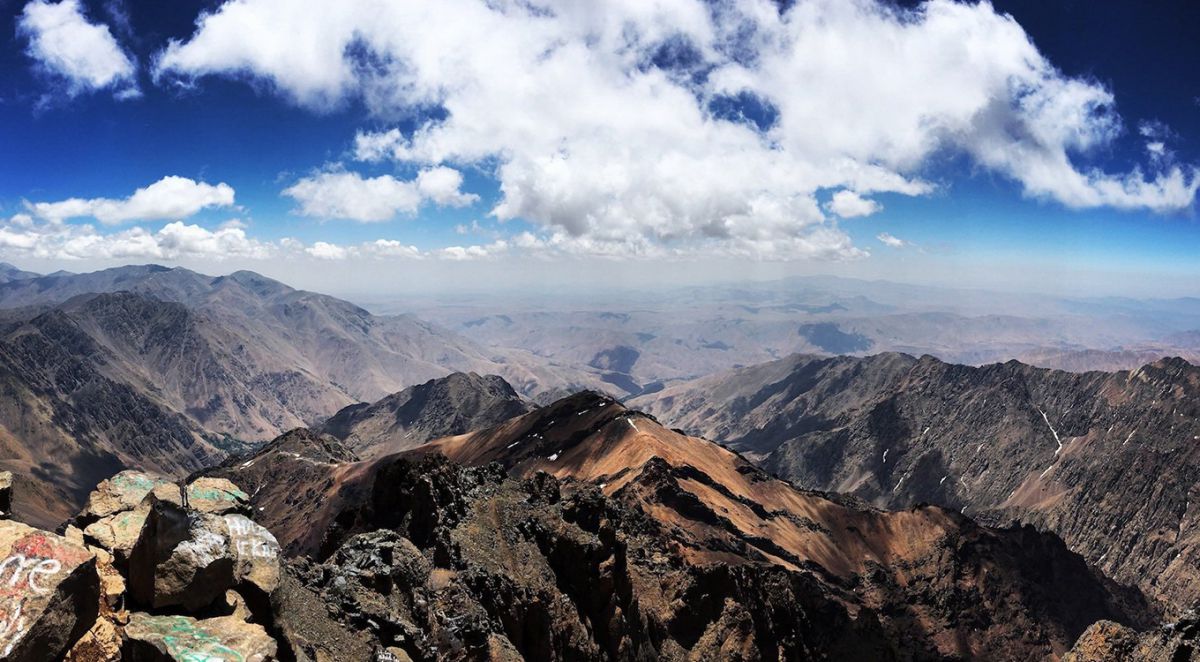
{"x": 384, "y": 146}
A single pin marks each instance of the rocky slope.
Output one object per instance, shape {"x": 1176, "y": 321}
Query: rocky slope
{"x": 451, "y": 405}
{"x": 1105, "y": 641}
{"x": 618, "y": 537}
{"x": 1109, "y": 461}
{"x": 66, "y": 422}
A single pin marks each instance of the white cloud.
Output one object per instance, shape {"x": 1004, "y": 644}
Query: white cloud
{"x": 849, "y": 204}
{"x": 327, "y": 251}
{"x": 442, "y": 185}
{"x": 52, "y": 240}
{"x": 606, "y": 152}
{"x": 170, "y": 198}
{"x": 889, "y": 240}
{"x": 348, "y": 195}
{"x": 85, "y": 56}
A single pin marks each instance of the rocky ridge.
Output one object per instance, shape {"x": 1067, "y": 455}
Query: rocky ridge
{"x": 1108, "y": 461}
{"x": 656, "y": 544}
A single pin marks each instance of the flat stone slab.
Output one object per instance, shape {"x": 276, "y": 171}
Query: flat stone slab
{"x": 184, "y": 639}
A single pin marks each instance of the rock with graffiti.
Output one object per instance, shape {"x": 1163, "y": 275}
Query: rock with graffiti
{"x": 189, "y": 559}
{"x": 217, "y": 496}
{"x": 117, "y": 508}
{"x": 184, "y": 639}
{"x": 49, "y": 593}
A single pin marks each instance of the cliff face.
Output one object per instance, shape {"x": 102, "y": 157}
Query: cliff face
{"x": 1109, "y": 461}
{"x": 613, "y": 533}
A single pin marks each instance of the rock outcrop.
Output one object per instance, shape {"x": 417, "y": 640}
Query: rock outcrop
{"x": 1106, "y": 641}
{"x": 189, "y": 558}
{"x": 49, "y": 593}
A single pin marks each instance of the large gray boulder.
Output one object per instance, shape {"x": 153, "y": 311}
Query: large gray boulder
{"x": 117, "y": 509}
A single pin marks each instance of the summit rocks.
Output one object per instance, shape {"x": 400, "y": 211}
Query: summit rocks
{"x": 49, "y": 593}
{"x": 189, "y": 558}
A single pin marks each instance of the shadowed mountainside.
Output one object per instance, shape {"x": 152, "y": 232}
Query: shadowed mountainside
{"x": 1109, "y": 461}
{"x": 248, "y": 356}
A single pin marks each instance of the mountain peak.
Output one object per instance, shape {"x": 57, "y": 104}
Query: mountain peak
{"x": 450, "y": 405}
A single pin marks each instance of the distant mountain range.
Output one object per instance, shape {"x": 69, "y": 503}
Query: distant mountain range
{"x": 1109, "y": 461}
{"x": 168, "y": 369}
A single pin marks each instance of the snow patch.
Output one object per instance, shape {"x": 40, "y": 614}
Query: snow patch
{"x": 1052, "y": 431}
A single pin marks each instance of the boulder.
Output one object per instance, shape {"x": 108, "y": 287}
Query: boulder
{"x": 117, "y": 509}
{"x": 189, "y": 559}
{"x": 117, "y": 533}
{"x": 217, "y": 496}
{"x": 102, "y": 643}
{"x": 49, "y": 593}
{"x": 6, "y": 483}
{"x": 125, "y": 491}
{"x": 184, "y": 639}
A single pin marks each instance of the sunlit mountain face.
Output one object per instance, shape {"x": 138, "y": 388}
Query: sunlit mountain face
{"x": 546, "y": 330}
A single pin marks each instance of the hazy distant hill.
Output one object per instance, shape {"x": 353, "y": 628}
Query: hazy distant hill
{"x": 643, "y": 339}
{"x": 10, "y": 273}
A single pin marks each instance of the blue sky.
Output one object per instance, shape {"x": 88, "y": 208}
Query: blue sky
{"x": 715, "y": 142}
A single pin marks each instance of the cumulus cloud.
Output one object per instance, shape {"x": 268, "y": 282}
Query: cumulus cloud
{"x": 680, "y": 125}
{"x": 889, "y": 240}
{"x": 849, "y": 204}
{"x": 327, "y": 251}
{"x": 350, "y": 196}
{"x": 83, "y": 55}
{"x": 170, "y": 198}
{"x": 25, "y": 236}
